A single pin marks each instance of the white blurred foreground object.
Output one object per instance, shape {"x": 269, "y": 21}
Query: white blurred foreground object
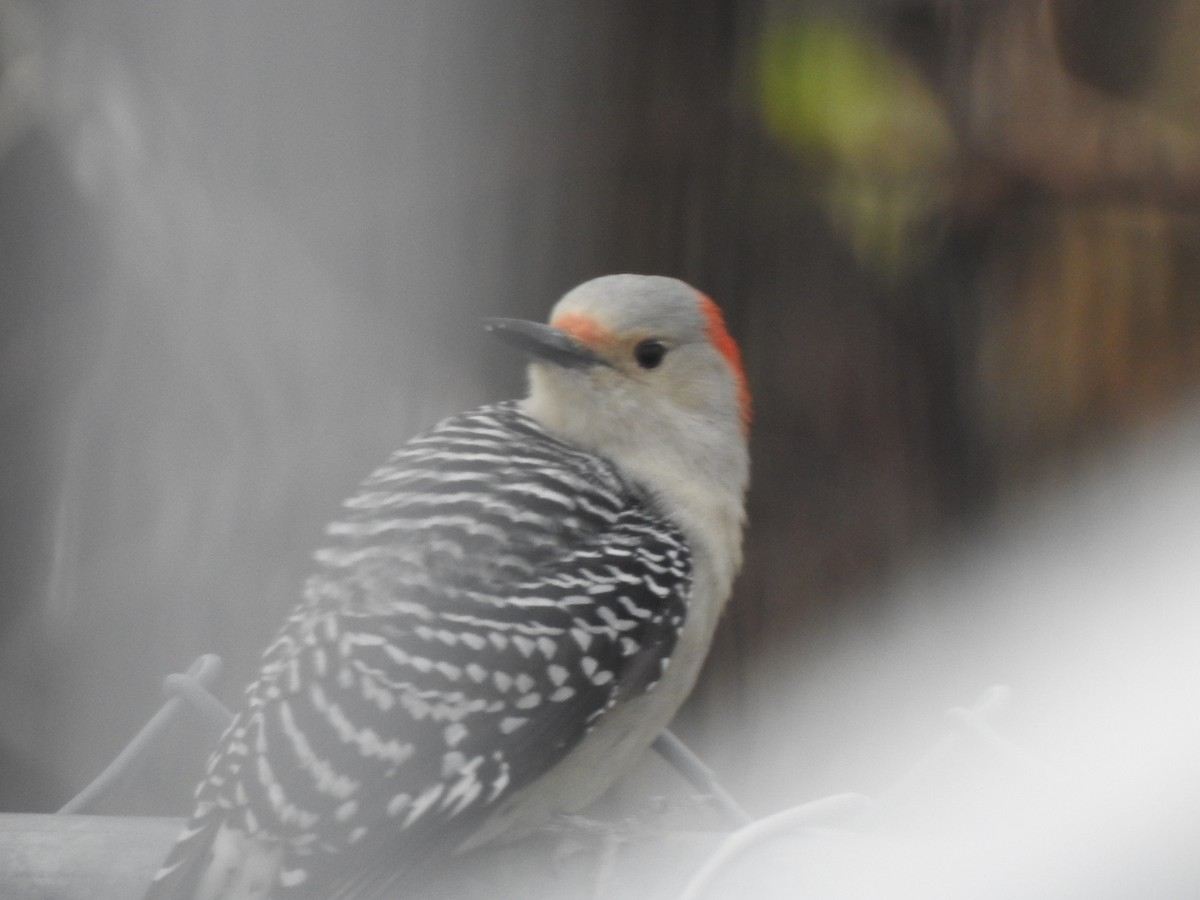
{"x": 1088, "y": 784}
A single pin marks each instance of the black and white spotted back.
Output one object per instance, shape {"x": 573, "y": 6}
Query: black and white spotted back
{"x": 484, "y": 598}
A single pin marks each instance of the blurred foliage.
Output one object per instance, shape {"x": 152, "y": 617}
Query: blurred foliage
{"x": 840, "y": 99}
{"x": 1089, "y": 320}
{"x": 1095, "y": 333}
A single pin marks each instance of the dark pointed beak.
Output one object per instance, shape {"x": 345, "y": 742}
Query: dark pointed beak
{"x": 544, "y": 343}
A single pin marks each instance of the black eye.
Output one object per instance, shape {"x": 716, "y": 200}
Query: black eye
{"x": 649, "y": 353}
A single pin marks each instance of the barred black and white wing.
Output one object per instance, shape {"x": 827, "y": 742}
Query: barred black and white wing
{"x": 485, "y": 598}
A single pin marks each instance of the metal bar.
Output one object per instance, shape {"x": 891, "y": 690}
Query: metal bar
{"x": 78, "y": 857}
{"x": 53, "y": 857}
{"x": 203, "y": 671}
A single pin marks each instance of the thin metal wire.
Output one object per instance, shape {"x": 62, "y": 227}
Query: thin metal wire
{"x": 193, "y": 691}
{"x": 816, "y": 812}
{"x": 186, "y": 689}
{"x": 976, "y": 726}
{"x": 970, "y": 725}
{"x": 700, "y": 776}
{"x": 191, "y": 688}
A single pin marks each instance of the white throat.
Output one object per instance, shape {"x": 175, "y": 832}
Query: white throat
{"x": 695, "y": 469}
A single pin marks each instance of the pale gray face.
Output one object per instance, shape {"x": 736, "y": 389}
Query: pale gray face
{"x": 628, "y": 352}
{"x": 662, "y": 335}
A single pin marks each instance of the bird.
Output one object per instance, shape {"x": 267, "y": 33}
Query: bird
{"x": 504, "y": 616}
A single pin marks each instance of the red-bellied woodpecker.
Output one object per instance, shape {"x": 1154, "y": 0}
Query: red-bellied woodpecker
{"x": 507, "y": 613}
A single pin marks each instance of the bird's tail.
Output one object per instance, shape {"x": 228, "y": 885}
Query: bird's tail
{"x": 179, "y": 875}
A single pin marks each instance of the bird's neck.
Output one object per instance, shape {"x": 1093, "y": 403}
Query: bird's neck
{"x": 696, "y": 473}
{"x": 705, "y": 499}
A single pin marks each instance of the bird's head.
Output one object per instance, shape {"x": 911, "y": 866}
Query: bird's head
{"x": 637, "y": 351}
{"x": 641, "y": 369}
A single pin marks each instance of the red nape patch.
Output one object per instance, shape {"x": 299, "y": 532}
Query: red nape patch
{"x": 583, "y": 328}
{"x": 728, "y": 348}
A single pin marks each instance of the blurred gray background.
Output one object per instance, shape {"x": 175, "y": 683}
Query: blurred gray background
{"x": 245, "y": 249}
